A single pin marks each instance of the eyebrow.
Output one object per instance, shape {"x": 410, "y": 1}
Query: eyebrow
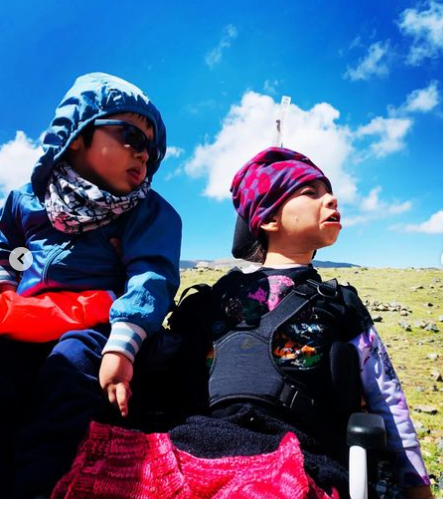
{"x": 315, "y": 183}
{"x": 144, "y": 119}
{"x": 311, "y": 184}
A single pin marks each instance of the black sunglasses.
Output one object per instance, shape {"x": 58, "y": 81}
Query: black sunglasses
{"x": 132, "y": 136}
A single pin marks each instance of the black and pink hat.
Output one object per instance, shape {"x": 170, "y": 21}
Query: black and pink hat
{"x": 262, "y": 185}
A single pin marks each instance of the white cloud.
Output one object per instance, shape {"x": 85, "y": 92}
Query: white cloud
{"x": 356, "y": 42}
{"x": 375, "y": 63}
{"x": 373, "y": 208}
{"x": 423, "y": 100}
{"x": 418, "y": 101}
{"x": 388, "y": 134}
{"x": 373, "y": 203}
{"x": 396, "y": 209}
{"x": 426, "y": 29}
{"x": 391, "y": 133}
{"x": 17, "y": 160}
{"x": 270, "y": 87}
{"x": 173, "y": 152}
{"x": 433, "y": 225}
{"x": 229, "y": 34}
{"x": 249, "y": 128}
{"x": 347, "y": 222}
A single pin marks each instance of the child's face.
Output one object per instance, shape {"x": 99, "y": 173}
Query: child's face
{"x": 303, "y": 219}
{"x": 108, "y": 162}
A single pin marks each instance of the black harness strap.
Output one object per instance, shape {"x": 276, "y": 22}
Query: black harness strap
{"x": 244, "y": 367}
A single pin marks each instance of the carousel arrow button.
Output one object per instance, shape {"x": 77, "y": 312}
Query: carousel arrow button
{"x": 20, "y": 259}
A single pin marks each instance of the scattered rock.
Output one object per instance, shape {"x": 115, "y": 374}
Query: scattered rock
{"x": 403, "y": 324}
{"x": 436, "y": 376}
{"x": 420, "y": 323}
{"x": 428, "y": 409}
{"x": 420, "y": 428}
{"x": 440, "y": 318}
{"x": 429, "y": 304}
{"x": 377, "y": 318}
{"x": 202, "y": 265}
{"x": 391, "y": 306}
{"x": 432, "y": 327}
{"x": 432, "y": 356}
{"x": 420, "y": 389}
{"x": 415, "y": 288}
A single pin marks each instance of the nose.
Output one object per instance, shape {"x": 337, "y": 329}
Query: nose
{"x": 331, "y": 201}
{"x": 143, "y": 155}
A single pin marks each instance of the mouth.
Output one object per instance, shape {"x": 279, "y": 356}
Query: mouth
{"x": 135, "y": 174}
{"x": 333, "y": 220}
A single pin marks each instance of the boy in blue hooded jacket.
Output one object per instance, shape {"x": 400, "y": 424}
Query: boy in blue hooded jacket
{"x": 91, "y": 221}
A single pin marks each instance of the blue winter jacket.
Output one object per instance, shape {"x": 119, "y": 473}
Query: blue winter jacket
{"x": 147, "y": 273}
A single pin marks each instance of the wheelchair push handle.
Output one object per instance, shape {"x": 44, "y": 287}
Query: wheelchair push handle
{"x": 365, "y": 432}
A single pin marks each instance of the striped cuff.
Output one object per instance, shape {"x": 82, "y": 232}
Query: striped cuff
{"x": 7, "y": 274}
{"x": 8, "y": 282}
{"x": 125, "y": 338}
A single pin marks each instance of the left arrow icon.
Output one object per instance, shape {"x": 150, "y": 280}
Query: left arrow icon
{"x": 20, "y": 259}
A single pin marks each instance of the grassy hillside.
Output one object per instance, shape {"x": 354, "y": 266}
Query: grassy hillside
{"x": 417, "y": 354}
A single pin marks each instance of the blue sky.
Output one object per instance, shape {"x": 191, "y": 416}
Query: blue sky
{"x": 365, "y": 80}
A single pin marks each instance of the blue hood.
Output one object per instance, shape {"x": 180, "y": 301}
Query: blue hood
{"x": 93, "y": 96}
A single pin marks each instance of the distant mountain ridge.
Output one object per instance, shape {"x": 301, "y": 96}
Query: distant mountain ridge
{"x": 231, "y": 263}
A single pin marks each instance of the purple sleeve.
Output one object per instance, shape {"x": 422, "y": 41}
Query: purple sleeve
{"x": 384, "y": 396}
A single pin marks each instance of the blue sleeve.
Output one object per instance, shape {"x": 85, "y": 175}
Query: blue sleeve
{"x": 11, "y": 236}
{"x": 151, "y": 244}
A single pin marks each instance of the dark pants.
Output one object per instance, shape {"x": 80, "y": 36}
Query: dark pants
{"x": 50, "y": 393}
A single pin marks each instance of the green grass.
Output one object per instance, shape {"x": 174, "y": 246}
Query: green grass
{"x": 408, "y": 350}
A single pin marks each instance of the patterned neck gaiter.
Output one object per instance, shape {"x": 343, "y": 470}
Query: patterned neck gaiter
{"x": 75, "y": 205}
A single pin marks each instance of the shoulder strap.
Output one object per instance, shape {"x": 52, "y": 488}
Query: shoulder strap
{"x": 293, "y": 396}
{"x": 254, "y": 374}
{"x": 201, "y": 288}
{"x": 295, "y": 300}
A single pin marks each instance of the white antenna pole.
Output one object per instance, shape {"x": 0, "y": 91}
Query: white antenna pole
{"x": 284, "y": 107}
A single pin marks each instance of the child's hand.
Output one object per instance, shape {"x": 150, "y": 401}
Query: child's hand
{"x": 115, "y": 374}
